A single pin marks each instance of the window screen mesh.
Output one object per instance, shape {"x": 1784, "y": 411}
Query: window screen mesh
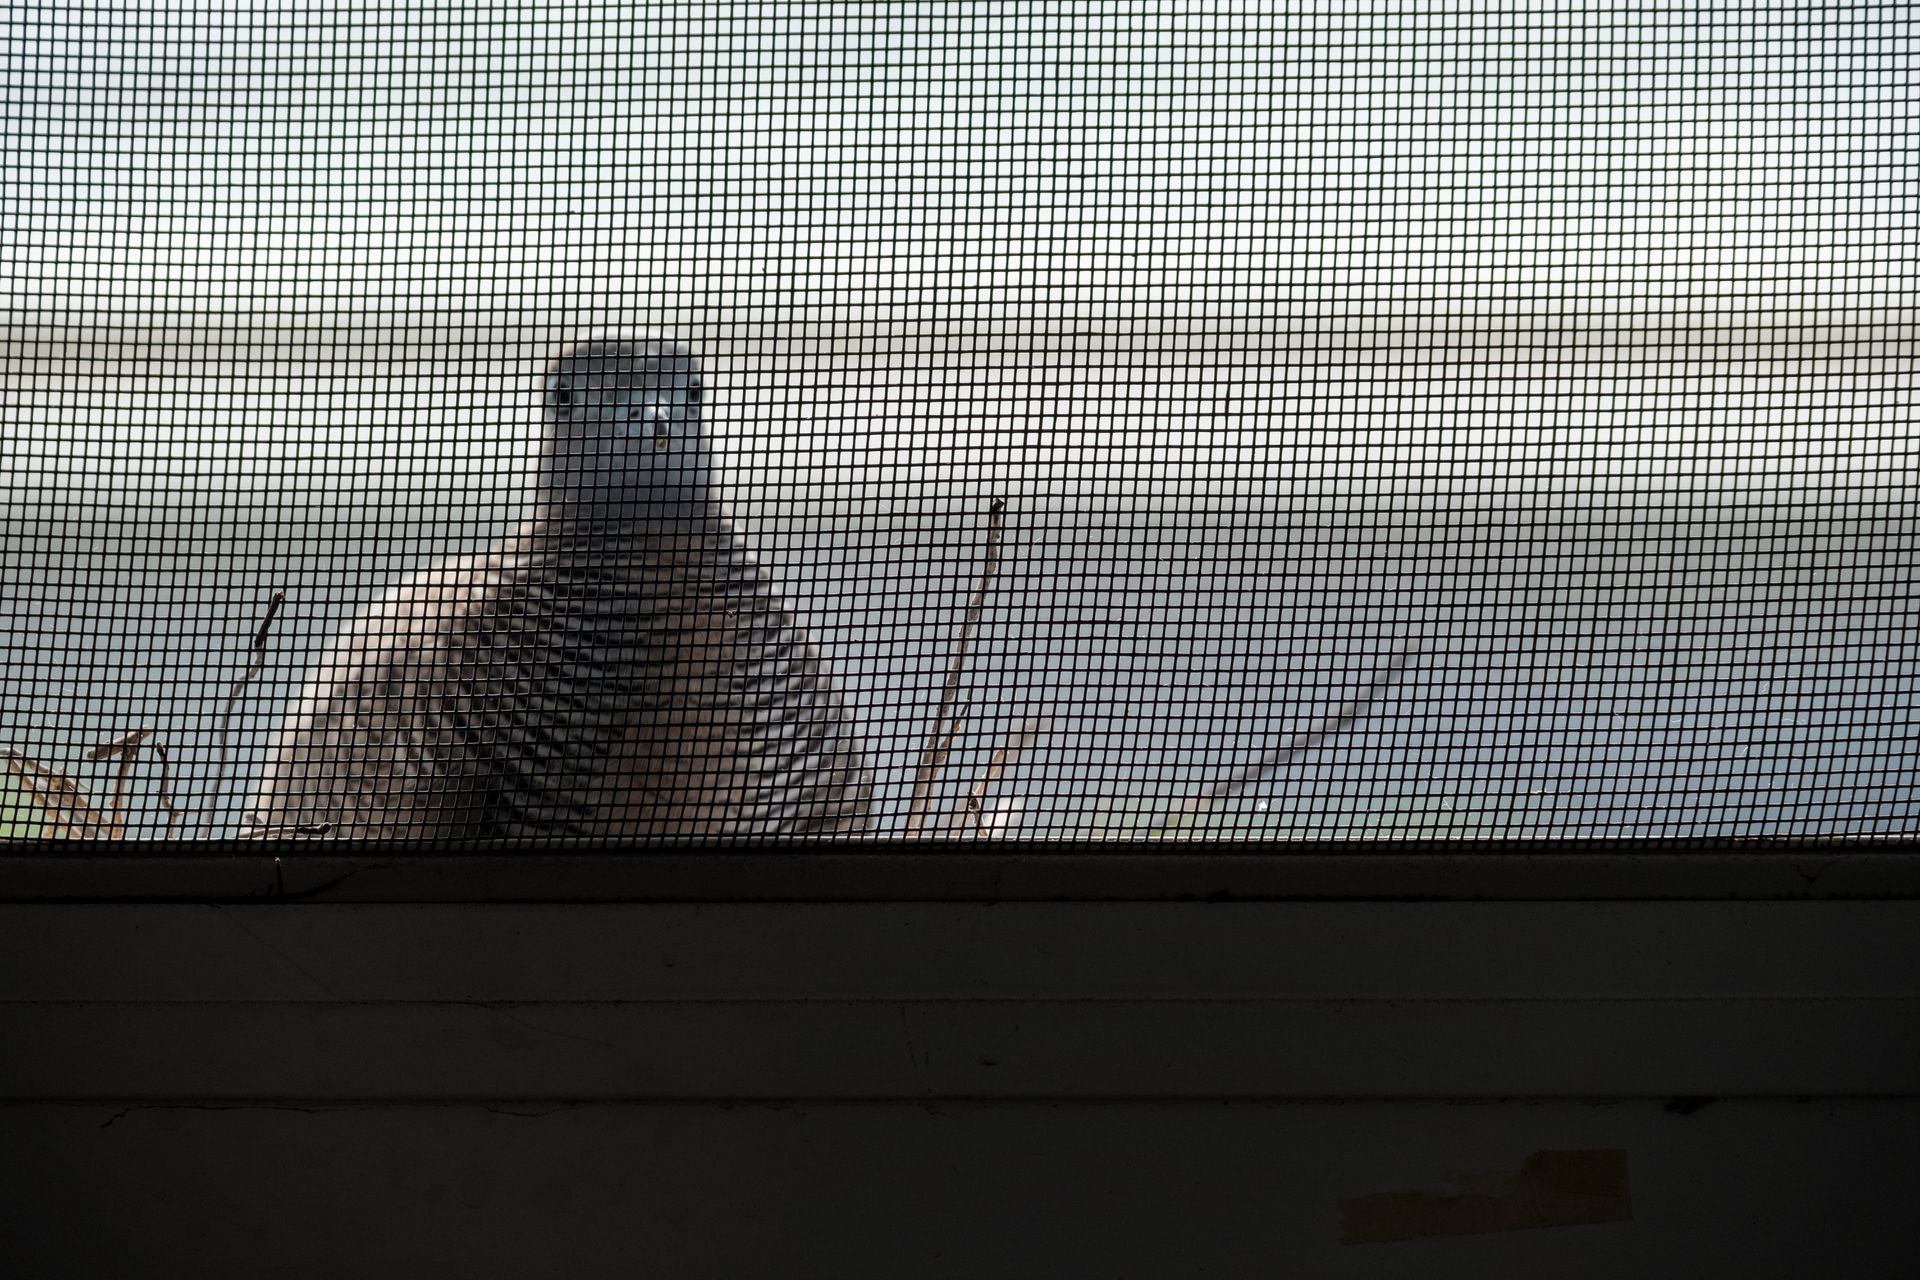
{"x": 1253, "y": 421}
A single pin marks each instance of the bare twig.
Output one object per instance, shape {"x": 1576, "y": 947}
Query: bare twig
{"x": 1342, "y": 718}
{"x": 219, "y": 788}
{"x": 953, "y": 733}
{"x": 124, "y": 745}
{"x": 63, "y": 804}
{"x": 127, "y": 748}
{"x": 971, "y": 812}
{"x": 266, "y": 623}
{"x": 940, "y": 736}
{"x": 163, "y": 791}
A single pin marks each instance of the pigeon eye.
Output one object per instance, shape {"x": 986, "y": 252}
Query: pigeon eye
{"x": 562, "y": 394}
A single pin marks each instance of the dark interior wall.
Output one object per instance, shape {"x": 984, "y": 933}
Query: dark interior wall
{"x": 960, "y": 1088}
{"x": 1751, "y": 1187}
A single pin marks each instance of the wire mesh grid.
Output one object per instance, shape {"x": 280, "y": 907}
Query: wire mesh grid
{"x": 1042, "y": 420}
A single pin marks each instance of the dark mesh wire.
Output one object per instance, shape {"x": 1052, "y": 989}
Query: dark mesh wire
{"x": 1573, "y": 346}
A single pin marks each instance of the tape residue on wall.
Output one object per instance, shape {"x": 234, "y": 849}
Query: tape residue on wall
{"x": 1552, "y": 1189}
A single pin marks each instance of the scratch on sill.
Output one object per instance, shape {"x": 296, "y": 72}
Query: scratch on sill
{"x": 1809, "y": 878}
{"x": 507, "y": 1012}
{"x": 913, "y": 1053}
{"x": 124, "y": 1112}
{"x": 233, "y": 917}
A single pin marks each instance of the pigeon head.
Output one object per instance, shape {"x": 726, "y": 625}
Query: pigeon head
{"x": 623, "y": 435}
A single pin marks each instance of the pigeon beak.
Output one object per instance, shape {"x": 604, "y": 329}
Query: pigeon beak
{"x": 661, "y": 435}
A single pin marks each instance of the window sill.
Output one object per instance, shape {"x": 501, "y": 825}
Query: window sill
{"x": 927, "y": 871}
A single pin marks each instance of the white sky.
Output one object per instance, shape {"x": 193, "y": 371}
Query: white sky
{"x": 885, "y": 163}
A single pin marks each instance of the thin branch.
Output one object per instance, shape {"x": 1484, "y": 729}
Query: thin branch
{"x": 1341, "y": 719}
{"x": 266, "y": 623}
{"x": 940, "y": 736}
{"x": 163, "y": 790}
{"x": 253, "y": 670}
{"x": 972, "y": 809}
{"x": 126, "y": 748}
{"x": 953, "y": 732}
{"x": 125, "y": 744}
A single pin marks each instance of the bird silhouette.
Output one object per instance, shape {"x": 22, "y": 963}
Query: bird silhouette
{"x": 620, "y": 666}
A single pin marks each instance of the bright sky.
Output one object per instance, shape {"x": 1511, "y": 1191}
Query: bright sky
{"x": 873, "y": 164}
